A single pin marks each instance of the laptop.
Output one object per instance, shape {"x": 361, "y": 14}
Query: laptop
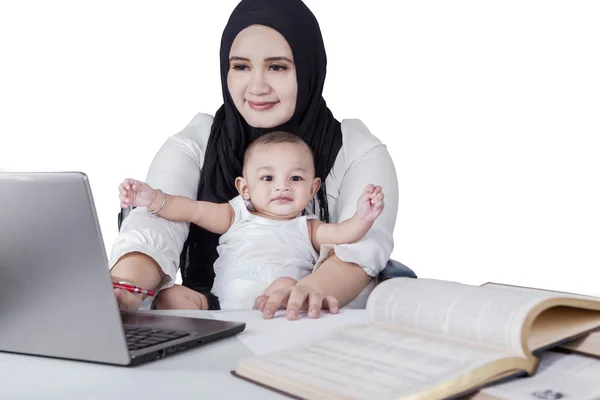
{"x": 56, "y": 293}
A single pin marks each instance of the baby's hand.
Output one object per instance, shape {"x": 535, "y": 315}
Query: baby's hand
{"x": 136, "y": 193}
{"x": 370, "y": 203}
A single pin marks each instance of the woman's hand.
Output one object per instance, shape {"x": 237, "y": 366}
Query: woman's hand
{"x": 179, "y": 297}
{"x": 335, "y": 283}
{"x": 137, "y": 268}
{"x": 295, "y": 298}
{"x": 126, "y": 300}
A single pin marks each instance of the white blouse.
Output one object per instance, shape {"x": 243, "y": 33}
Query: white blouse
{"x": 175, "y": 169}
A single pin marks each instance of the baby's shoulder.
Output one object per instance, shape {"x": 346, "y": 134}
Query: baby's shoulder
{"x": 240, "y": 209}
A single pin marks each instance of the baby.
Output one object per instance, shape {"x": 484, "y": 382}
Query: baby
{"x": 267, "y": 240}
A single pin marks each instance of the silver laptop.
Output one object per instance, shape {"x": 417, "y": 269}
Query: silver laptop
{"x": 56, "y": 294}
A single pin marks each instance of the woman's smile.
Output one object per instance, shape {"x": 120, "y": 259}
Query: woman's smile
{"x": 262, "y": 105}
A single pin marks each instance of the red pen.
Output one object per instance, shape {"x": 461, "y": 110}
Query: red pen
{"x": 132, "y": 288}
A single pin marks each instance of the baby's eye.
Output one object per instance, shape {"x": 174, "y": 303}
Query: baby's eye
{"x": 296, "y": 178}
{"x": 267, "y": 178}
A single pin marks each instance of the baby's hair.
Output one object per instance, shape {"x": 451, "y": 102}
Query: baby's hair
{"x": 275, "y": 138}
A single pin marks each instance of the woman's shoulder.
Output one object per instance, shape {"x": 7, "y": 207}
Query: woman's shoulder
{"x": 357, "y": 139}
{"x": 183, "y": 152}
{"x": 197, "y": 130}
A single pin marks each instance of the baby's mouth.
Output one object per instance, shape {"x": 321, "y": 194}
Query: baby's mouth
{"x": 282, "y": 199}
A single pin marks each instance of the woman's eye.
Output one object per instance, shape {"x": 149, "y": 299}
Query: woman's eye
{"x": 277, "y": 67}
{"x": 239, "y": 67}
{"x": 267, "y": 178}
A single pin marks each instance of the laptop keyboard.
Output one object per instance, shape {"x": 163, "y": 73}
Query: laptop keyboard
{"x": 140, "y": 338}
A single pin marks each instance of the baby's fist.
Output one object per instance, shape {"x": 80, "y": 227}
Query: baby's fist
{"x": 136, "y": 193}
{"x": 370, "y": 203}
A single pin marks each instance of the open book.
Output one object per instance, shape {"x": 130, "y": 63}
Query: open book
{"x": 428, "y": 339}
{"x": 588, "y": 345}
{"x": 559, "y": 376}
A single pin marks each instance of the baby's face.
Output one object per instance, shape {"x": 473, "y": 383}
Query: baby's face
{"x": 279, "y": 179}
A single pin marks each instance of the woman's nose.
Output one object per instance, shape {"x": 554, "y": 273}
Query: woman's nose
{"x": 258, "y": 85}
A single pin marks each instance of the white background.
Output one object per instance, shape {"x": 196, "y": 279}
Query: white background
{"x": 491, "y": 111}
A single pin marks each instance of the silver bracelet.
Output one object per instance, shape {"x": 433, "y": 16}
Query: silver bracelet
{"x": 161, "y": 205}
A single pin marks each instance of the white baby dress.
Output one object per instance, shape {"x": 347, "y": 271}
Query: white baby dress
{"x": 255, "y": 251}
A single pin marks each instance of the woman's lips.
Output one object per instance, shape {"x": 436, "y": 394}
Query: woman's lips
{"x": 261, "y": 105}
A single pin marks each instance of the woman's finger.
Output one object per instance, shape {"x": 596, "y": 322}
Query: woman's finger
{"x": 274, "y": 302}
{"x": 296, "y": 300}
{"x": 332, "y": 304}
{"x": 260, "y": 302}
{"x": 315, "y": 303}
{"x": 127, "y": 301}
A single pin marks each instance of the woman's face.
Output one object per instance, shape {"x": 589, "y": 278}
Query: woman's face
{"x": 262, "y": 77}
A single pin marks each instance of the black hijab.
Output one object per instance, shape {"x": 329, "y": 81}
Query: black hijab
{"x": 230, "y": 134}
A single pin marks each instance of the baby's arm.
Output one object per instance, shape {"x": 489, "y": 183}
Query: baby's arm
{"x": 214, "y": 217}
{"x": 370, "y": 206}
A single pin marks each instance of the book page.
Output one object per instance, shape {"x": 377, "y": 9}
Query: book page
{"x": 551, "y": 293}
{"x": 370, "y": 362}
{"x": 559, "y": 376}
{"x": 590, "y": 344}
{"x": 490, "y": 314}
{"x": 264, "y": 336}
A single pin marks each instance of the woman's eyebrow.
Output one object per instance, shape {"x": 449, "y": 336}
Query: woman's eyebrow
{"x": 269, "y": 59}
{"x": 279, "y": 59}
{"x": 236, "y": 58}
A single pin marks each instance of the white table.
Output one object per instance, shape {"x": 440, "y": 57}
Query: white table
{"x": 201, "y": 373}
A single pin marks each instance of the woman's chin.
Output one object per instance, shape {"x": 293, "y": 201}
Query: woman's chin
{"x": 264, "y": 119}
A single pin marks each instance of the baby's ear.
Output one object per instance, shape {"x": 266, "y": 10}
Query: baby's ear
{"x": 242, "y": 187}
{"x": 315, "y": 186}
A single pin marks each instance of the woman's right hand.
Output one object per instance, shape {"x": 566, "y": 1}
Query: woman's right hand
{"x": 126, "y": 300}
{"x": 137, "y": 268}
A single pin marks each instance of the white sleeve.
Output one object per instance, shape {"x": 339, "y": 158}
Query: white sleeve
{"x": 176, "y": 170}
{"x": 374, "y": 166}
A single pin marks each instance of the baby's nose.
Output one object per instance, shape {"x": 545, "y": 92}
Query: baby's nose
{"x": 283, "y": 186}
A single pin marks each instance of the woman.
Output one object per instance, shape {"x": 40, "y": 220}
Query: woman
{"x": 273, "y": 67}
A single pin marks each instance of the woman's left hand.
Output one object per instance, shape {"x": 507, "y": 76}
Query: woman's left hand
{"x": 296, "y": 298}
